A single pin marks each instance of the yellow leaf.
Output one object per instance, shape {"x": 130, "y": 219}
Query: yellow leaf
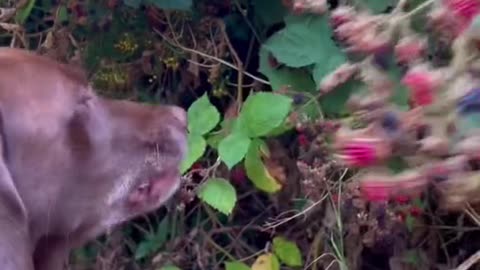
{"x": 266, "y": 261}
{"x": 256, "y": 170}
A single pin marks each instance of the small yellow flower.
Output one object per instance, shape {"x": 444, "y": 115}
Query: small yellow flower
{"x": 171, "y": 63}
{"x": 127, "y": 44}
{"x": 219, "y": 92}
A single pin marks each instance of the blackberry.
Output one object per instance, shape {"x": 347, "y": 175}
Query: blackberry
{"x": 390, "y": 122}
{"x": 298, "y": 99}
{"x": 470, "y": 102}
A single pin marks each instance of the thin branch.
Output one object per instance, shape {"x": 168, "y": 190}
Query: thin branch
{"x": 469, "y": 262}
{"x": 221, "y": 61}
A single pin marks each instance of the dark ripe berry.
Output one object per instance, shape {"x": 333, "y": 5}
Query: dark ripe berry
{"x": 335, "y": 198}
{"x": 382, "y": 57}
{"x": 470, "y": 102}
{"x": 302, "y": 140}
{"x": 423, "y": 132}
{"x": 272, "y": 61}
{"x": 402, "y": 199}
{"x": 439, "y": 178}
{"x": 416, "y": 211}
{"x": 196, "y": 166}
{"x": 238, "y": 176}
{"x": 401, "y": 216}
{"x": 298, "y": 99}
{"x": 474, "y": 164}
{"x": 390, "y": 122}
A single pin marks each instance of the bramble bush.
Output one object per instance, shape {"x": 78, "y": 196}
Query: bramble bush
{"x": 408, "y": 116}
{"x": 380, "y": 100}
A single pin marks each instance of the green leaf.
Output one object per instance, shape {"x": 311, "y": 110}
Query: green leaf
{"x": 321, "y": 69}
{"x": 172, "y": 4}
{"x": 269, "y": 12}
{"x": 410, "y": 222}
{"x": 412, "y": 257}
{"x": 400, "y": 96}
{"x": 219, "y": 194}
{"x": 297, "y": 79}
{"x": 256, "y": 170}
{"x": 233, "y": 149}
{"x": 333, "y": 103}
{"x": 237, "y": 28}
{"x": 170, "y": 267}
{"x": 379, "y": 6}
{"x": 262, "y": 112}
{"x": 305, "y": 40}
{"x": 62, "y": 14}
{"x": 23, "y": 14}
{"x": 202, "y": 116}
{"x": 154, "y": 241}
{"x": 397, "y": 164}
{"x": 287, "y": 252}
{"x": 196, "y": 147}
{"x": 236, "y": 266}
{"x": 132, "y": 3}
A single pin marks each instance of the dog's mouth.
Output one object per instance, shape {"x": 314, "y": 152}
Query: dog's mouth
{"x": 155, "y": 189}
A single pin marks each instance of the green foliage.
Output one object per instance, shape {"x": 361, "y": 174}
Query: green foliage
{"x": 22, "y": 16}
{"x": 236, "y": 266}
{"x": 202, "y": 116}
{"x": 181, "y": 5}
{"x": 219, "y": 194}
{"x": 172, "y": 4}
{"x": 133, "y": 3}
{"x": 306, "y": 40}
{"x": 378, "y": 6}
{"x": 269, "y": 12}
{"x": 333, "y": 103}
{"x": 297, "y": 79}
{"x": 233, "y": 148}
{"x": 262, "y": 112}
{"x": 62, "y": 15}
{"x": 397, "y": 164}
{"x": 169, "y": 267}
{"x": 154, "y": 241}
{"x": 287, "y": 252}
{"x": 256, "y": 170}
{"x": 196, "y": 148}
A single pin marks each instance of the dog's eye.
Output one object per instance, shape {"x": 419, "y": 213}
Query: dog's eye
{"x": 143, "y": 188}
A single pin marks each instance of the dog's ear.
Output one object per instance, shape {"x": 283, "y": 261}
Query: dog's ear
{"x": 88, "y": 126}
{"x": 15, "y": 250}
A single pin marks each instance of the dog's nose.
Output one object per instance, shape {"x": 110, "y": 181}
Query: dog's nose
{"x": 180, "y": 114}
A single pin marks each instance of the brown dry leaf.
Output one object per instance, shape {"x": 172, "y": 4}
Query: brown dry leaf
{"x": 276, "y": 170}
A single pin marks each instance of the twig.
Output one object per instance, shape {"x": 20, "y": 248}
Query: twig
{"x": 221, "y": 61}
{"x": 239, "y": 65}
{"x": 417, "y": 9}
{"x": 469, "y": 262}
{"x": 272, "y": 225}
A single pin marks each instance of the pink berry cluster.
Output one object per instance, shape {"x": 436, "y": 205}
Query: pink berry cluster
{"x": 431, "y": 132}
